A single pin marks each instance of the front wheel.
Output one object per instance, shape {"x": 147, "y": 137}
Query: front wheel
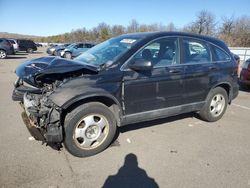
{"x": 89, "y": 129}
{"x": 3, "y": 54}
{"x": 215, "y": 106}
{"x": 67, "y": 55}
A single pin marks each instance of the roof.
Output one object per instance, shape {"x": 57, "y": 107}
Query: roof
{"x": 164, "y": 33}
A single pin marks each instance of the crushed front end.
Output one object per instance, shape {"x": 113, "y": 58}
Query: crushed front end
{"x": 41, "y": 116}
{"x": 37, "y": 80}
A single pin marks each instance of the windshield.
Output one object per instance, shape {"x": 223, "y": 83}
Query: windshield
{"x": 108, "y": 51}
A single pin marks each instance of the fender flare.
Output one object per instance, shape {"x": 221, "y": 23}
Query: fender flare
{"x": 78, "y": 98}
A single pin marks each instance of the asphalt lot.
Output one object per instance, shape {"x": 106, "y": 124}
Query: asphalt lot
{"x": 181, "y": 151}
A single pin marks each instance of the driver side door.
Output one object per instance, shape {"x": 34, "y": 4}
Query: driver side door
{"x": 160, "y": 87}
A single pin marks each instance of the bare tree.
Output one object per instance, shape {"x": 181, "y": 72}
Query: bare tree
{"x": 117, "y": 30}
{"x": 204, "y": 24}
{"x": 227, "y": 26}
{"x": 170, "y": 27}
{"x": 133, "y": 26}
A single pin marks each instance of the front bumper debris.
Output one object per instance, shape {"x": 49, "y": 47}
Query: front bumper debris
{"x": 35, "y": 132}
{"x": 41, "y": 119}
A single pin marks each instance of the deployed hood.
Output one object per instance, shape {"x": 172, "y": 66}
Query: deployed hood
{"x": 49, "y": 69}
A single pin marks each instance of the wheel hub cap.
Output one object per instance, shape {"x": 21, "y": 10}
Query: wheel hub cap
{"x": 217, "y": 105}
{"x": 92, "y": 131}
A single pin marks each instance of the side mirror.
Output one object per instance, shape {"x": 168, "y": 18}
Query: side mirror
{"x": 141, "y": 64}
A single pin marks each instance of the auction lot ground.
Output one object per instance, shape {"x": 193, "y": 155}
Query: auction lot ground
{"x": 182, "y": 151}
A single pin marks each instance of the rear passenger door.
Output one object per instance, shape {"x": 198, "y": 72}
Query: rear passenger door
{"x": 198, "y": 68}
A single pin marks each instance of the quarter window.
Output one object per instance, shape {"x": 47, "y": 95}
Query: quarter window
{"x": 220, "y": 55}
{"x": 196, "y": 51}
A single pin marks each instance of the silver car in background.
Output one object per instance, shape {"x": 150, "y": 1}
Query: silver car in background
{"x": 75, "y": 50}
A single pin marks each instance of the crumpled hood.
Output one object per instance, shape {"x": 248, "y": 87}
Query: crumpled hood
{"x": 50, "y": 69}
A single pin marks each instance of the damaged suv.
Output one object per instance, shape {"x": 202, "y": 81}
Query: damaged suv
{"x": 127, "y": 79}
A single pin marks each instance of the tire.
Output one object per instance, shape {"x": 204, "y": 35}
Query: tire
{"x": 3, "y": 54}
{"x": 30, "y": 50}
{"x": 89, "y": 129}
{"x": 216, "y": 105}
{"x": 67, "y": 55}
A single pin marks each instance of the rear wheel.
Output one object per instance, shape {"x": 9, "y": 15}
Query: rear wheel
{"x": 67, "y": 55}
{"x": 215, "y": 106}
{"x": 3, "y": 54}
{"x": 30, "y": 50}
{"x": 89, "y": 129}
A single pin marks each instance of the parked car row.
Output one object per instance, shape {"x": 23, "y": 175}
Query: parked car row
{"x": 11, "y": 46}
{"x": 69, "y": 51}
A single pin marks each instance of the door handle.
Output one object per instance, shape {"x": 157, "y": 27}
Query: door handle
{"x": 213, "y": 68}
{"x": 174, "y": 71}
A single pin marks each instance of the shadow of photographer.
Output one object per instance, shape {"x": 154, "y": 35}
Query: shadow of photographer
{"x": 130, "y": 176}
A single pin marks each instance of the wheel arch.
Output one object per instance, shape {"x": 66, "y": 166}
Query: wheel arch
{"x": 228, "y": 88}
{"x": 111, "y": 102}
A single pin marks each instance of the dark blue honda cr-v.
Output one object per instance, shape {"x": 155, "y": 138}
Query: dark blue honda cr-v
{"x": 126, "y": 79}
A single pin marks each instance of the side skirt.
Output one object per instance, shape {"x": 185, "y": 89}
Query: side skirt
{"x": 161, "y": 113}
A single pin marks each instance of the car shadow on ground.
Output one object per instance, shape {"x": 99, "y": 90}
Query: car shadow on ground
{"x": 16, "y": 57}
{"x": 130, "y": 175}
{"x": 244, "y": 88}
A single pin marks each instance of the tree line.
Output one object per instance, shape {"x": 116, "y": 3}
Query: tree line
{"x": 235, "y": 31}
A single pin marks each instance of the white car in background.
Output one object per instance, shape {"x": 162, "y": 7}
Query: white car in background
{"x": 14, "y": 44}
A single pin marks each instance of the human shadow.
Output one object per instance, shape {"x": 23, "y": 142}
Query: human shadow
{"x": 130, "y": 176}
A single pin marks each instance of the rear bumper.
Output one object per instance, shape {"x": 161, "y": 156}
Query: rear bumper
{"x": 235, "y": 91}
{"x": 244, "y": 81}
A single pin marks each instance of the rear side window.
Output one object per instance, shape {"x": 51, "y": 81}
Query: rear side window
{"x": 12, "y": 41}
{"x": 195, "y": 51}
{"x": 220, "y": 55}
{"x": 88, "y": 45}
{"x": 1, "y": 40}
{"x": 79, "y": 46}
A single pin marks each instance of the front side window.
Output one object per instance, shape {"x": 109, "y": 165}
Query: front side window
{"x": 195, "y": 51}
{"x": 79, "y": 46}
{"x": 161, "y": 53}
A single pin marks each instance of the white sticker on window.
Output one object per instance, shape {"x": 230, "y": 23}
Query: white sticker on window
{"x": 128, "y": 41}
